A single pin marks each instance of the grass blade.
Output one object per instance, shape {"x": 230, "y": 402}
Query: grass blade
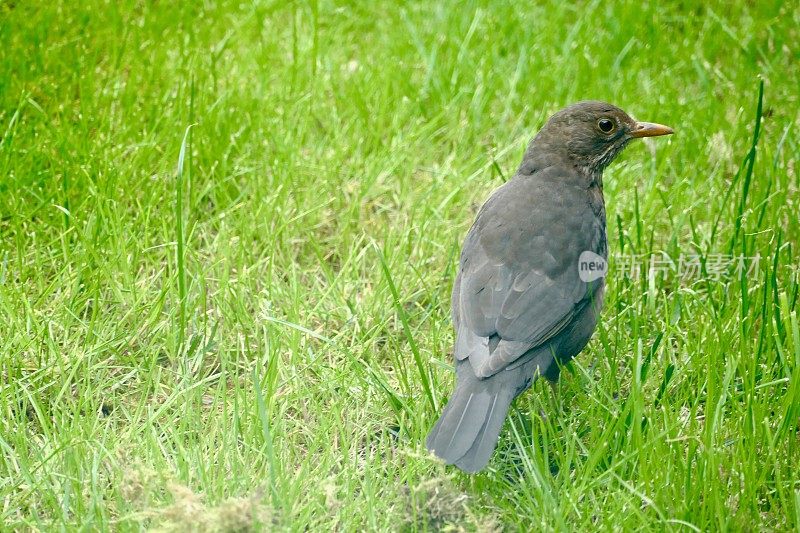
{"x": 421, "y": 368}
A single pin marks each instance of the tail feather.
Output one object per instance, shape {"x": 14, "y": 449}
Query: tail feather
{"x": 467, "y": 432}
{"x": 459, "y": 425}
{"x": 481, "y": 450}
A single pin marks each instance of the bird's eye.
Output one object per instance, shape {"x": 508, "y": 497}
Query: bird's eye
{"x": 606, "y": 125}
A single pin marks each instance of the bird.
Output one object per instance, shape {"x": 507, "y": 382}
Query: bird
{"x": 521, "y": 305}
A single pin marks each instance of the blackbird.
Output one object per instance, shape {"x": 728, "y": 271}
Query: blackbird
{"x": 525, "y": 300}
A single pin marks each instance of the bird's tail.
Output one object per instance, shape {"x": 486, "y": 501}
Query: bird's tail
{"x": 466, "y": 434}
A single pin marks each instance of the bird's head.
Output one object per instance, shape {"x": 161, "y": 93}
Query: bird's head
{"x": 590, "y": 134}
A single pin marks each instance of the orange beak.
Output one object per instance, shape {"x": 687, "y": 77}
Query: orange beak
{"x": 650, "y": 129}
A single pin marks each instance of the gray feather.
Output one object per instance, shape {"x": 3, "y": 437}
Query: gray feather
{"x": 477, "y": 457}
{"x": 460, "y": 423}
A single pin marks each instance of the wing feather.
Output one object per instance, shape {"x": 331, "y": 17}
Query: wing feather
{"x": 518, "y": 279}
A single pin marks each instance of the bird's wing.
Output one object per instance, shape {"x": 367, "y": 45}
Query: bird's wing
{"x": 518, "y": 283}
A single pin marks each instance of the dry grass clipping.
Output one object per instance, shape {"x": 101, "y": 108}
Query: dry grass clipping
{"x": 188, "y": 512}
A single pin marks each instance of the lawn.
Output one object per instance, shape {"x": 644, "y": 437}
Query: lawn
{"x": 228, "y": 233}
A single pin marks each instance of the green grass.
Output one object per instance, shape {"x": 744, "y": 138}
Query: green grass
{"x": 247, "y": 322}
